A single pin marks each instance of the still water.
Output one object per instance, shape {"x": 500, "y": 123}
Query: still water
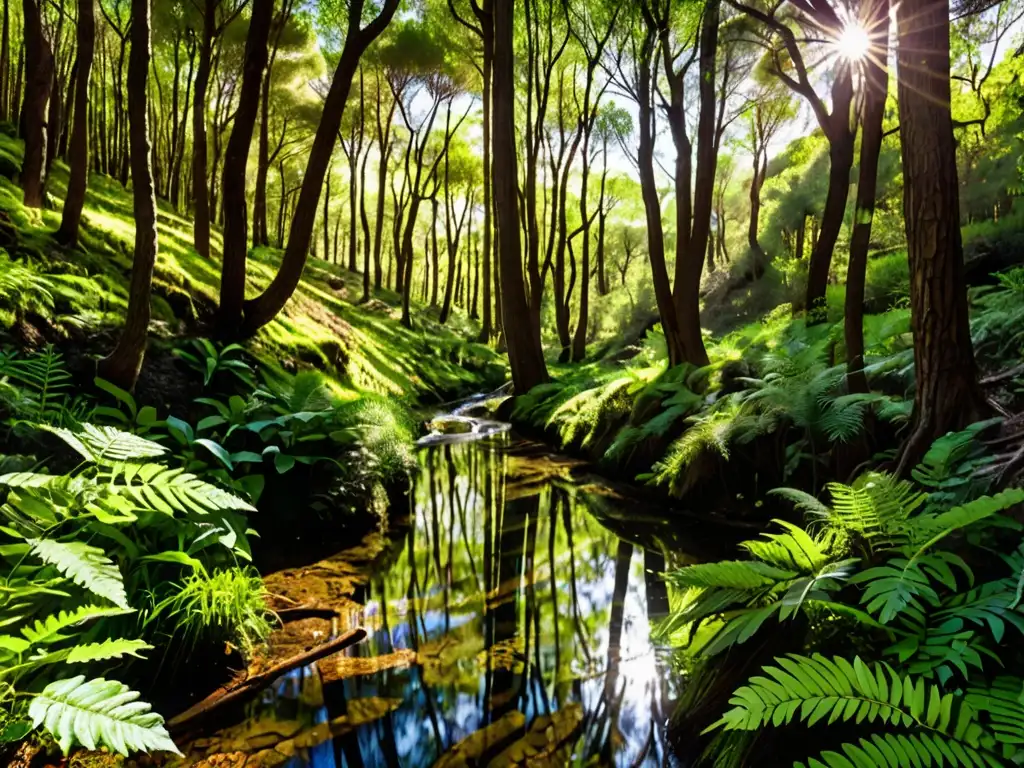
{"x": 508, "y": 625}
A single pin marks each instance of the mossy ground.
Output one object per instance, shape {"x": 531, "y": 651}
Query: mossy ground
{"x": 363, "y": 345}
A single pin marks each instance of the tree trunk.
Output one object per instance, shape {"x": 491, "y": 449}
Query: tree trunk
{"x": 123, "y": 365}
{"x": 524, "y": 348}
{"x": 435, "y": 266}
{"x": 263, "y": 309}
{"x": 486, "y": 327}
{"x": 840, "y": 160}
{"x": 78, "y": 178}
{"x": 39, "y": 66}
{"x": 757, "y": 254}
{"x": 876, "y": 84}
{"x": 5, "y": 63}
{"x": 19, "y": 76}
{"x": 179, "y": 153}
{"x": 365, "y": 221}
{"x": 200, "y": 191}
{"x": 236, "y": 227}
{"x": 947, "y": 394}
{"x": 652, "y": 208}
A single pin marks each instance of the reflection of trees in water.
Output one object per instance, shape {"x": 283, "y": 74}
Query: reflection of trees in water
{"x": 515, "y": 600}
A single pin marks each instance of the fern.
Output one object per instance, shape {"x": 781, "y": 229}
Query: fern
{"x": 170, "y": 491}
{"x": 809, "y": 689}
{"x": 45, "y": 384}
{"x": 99, "y": 713}
{"x": 106, "y": 445}
{"x": 890, "y": 750}
{"x": 108, "y": 649}
{"x": 87, "y": 566}
{"x": 48, "y": 630}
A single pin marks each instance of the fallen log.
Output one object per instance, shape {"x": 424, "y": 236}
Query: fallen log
{"x": 235, "y": 692}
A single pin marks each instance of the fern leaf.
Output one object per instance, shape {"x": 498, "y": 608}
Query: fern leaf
{"x": 108, "y": 649}
{"x": 793, "y": 550}
{"x": 1002, "y": 703}
{"x": 30, "y": 480}
{"x": 810, "y": 689}
{"x": 105, "y": 445}
{"x": 803, "y": 501}
{"x": 891, "y": 750}
{"x": 170, "y": 491}
{"x": 87, "y": 566}
{"x": 48, "y": 630}
{"x": 99, "y": 713}
{"x": 732, "y": 574}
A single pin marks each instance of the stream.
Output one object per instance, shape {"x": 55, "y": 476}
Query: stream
{"x": 509, "y": 622}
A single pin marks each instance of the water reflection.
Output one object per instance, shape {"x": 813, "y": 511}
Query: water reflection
{"x": 507, "y": 625}
{"x": 529, "y": 622}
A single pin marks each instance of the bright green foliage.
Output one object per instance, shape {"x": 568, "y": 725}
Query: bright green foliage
{"x": 225, "y": 605}
{"x": 98, "y": 712}
{"x": 43, "y": 387}
{"x": 48, "y": 630}
{"x": 85, "y": 565}
{"x": 107, "y": 445}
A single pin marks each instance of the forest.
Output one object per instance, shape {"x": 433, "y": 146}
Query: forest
{"x": 486, "y": 383}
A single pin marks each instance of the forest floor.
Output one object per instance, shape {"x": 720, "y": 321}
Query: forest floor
{"x": 362, "y": 345}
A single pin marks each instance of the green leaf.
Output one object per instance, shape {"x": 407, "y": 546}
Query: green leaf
{"x": 108, "y": 649}
{"x": 283, "y": 462}
{"x": 217, "y": 450}
{"x": 177, "y": 558}
{"x": 170, "y": 491}
{"x": 48, "y": 630}
{"x": 99, "y": 713}
{"x": 118, "y": 393}
{"x": 106, "y": 444}
{"x": 87, "y": 566}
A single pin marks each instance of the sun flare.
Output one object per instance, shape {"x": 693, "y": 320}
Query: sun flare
{"x": 853, "y": 42}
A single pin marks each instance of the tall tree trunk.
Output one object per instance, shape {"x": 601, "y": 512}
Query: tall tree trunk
{"x": 79, "y": 173}
{"x": 486, "y": 327}
{"x": 236, "y": 227}
{"x": 435, "y": 266}
{"x": 757, "y": 178}
{"x": 327, "y": 219}
{"x": 365, "y": 221}
{"x": 200, "y": 191}
{"x": 39, "y": 65}
{"x": 5, "y": 63}
{"x": 263, "y": 309}
{"x": 840, "y": 161}
{"x": 180, "y": 150}
{"x": 947, "y": 394}
{"x": 876, "y": 84}
{"x": 652, "y": 207}
{"x": 526, "y": 356}
{"x": 122, "y": 366}
{"x": 384, "y": 141}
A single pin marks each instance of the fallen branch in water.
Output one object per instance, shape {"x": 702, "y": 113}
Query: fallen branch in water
{"x": 238, "y": 691}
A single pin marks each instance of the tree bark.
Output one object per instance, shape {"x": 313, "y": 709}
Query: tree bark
{"x": 39, "y": 66}
{"x": 947, "y": 394}
{"x": 525, "y": 354}
{"x": 200, "y": 191}
{"x": 236, "y": 227}
{"x": 122, "y": 366}
{"x": 652, "y": 206}
{"x": 263, "y": 309}
{"x": 876, "y": 84}
{"x": 5, "y": 63}
{"x": 79, "y": 162}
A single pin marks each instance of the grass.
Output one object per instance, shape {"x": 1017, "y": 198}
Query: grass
{"x": 321, "y": 326}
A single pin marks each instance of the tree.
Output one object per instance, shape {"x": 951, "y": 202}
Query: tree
{"x": 875, "y": 20}
{"x": 236, "y": 228}
{"x": 39, "y": 68}
{"x": 262, "y": 309}
{"x": 79, "y": 161}
{"x": 122, "y": 366}
{"x": 523, "y": 338}
{"x": 947, "y": 395}
{"x": 769, "y": 107}
{"x": 789, "y": 66}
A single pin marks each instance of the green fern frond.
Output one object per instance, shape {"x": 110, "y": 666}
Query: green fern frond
{"x": 48, "y": 630}
{"x": 803, "y": 501}
{"x": 1002, "y": 705}
{"x": 730, "y": 574}
{"x": 108, "y": 649}
{"x": 941, "y": 459}
{"x": 892, "y": 750}
{"x": 44, "y": 380}
{"x": 99, "y": 713}
{"x": 105, "y": 445}
{"x": 793, "y": 550}
{"x": 902, "y": 583}
{"x": 809, "y": 689}
{"x": 87, "y": 566}
{"x": 170, "y": 491}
